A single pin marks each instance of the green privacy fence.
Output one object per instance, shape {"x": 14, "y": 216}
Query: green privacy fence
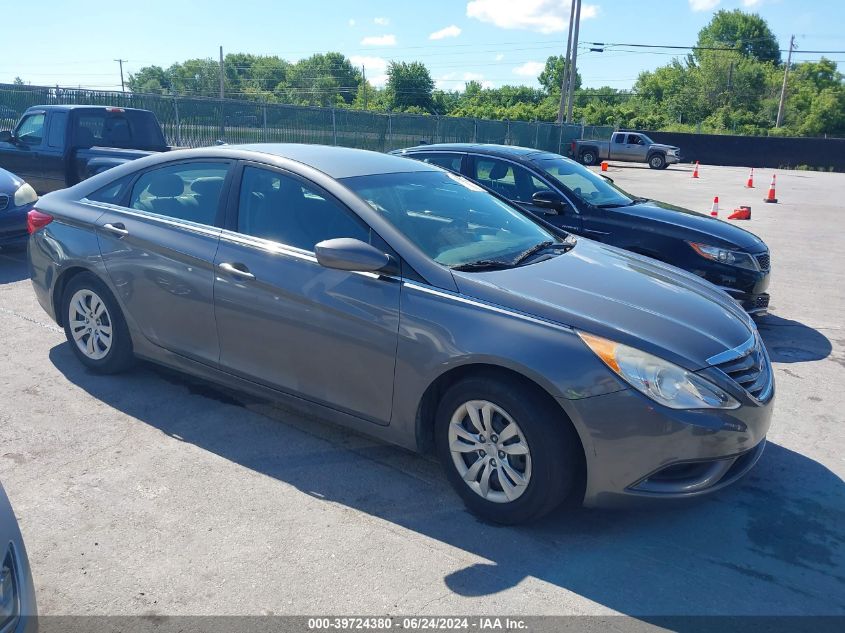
{"x": 196, "y": 122}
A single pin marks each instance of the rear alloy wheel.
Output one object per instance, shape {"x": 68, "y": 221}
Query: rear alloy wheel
{"x": 657, "y": 161}
{"x": 588, "y": 157}
{"x": 509, "y": 454}
{"x": 95, "y": 327}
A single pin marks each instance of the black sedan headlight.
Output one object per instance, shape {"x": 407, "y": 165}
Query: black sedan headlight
{"x": 25, "y": 194}
{"x": 10, "y": 601}
{"x": 727, "y": 256}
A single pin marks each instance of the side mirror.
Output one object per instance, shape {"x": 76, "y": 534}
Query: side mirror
{"x": 550, "y": 200}
{"x": 6, "y": 136}
{"x": 346, "y": 253}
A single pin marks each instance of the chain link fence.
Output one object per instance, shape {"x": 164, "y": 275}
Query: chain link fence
{"x": 197, "y": 122}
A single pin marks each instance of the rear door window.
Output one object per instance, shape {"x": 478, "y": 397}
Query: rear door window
{"x": 185, "y": 191}
{"x": 278, "y": 207}
{"x": 452, "y": 162}
{"x": 58, "y": 124}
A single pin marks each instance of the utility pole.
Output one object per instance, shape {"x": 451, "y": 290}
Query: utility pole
{"x": 783, "y": 88}
{"x": 221, "y": 73}
{"x": 564, "y": 83}
{"x": 364, "y": 73}
{"x": 222, "y": 95}
{"x": 573, "y": 71}
{"x": 122, "y": 85}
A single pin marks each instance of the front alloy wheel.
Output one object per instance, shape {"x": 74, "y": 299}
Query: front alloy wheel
{"x": 507, "y": 448}
{"x": 489, "y": 451}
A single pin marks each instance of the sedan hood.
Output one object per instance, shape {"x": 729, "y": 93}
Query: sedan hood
{"x": 693, "y": 226}
{"x": 9, "y": 183}
{"x": 622, "y": 296}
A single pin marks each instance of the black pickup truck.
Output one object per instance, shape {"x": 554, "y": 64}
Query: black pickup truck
{"x": 57, "y": 146}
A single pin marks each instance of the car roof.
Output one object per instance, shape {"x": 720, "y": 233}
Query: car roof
{"x": 337, "y": 162}
{"x": 510, "y": 151}
{"x": 76, "y": 106}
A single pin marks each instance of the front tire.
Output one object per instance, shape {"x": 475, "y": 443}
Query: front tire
{"x": 509, "y": 454}
{"x": 95, "y": 327}
{"x": 657, "y": 161}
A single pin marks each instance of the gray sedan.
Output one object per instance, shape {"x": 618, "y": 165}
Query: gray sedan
{"x": 404, "y": 301}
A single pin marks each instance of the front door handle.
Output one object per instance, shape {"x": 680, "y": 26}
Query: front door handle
{"x": 233, "y": 269}
{"x": 117, "y": 228}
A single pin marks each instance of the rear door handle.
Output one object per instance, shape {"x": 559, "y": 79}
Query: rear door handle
{"x": 233, "y": 269}
{"x": 118, "y": 229}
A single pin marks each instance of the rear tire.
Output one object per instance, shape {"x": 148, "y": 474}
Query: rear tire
{"x": 510, "y": 455}
{"x": 588, "y": 157}
{"x": 657, "y": 161}
{"x": 95, "y": 327}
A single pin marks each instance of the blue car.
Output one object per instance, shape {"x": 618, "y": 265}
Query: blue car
{"x": 16, "y": 200}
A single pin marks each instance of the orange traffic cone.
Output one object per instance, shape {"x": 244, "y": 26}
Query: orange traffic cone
{"x": 743, "y": 213}
{"x": 714, "y": 210}
{"x": 750, "y": 183}
{"x": 771, "y": 196}
{"x": 695, "y": 171}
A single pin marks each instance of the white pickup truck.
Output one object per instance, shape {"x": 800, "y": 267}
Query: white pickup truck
{"x": 632, "y": 147}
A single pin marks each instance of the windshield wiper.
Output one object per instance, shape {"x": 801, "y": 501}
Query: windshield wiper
{"x": 616, "y": 205}
{"x": 483, "y": 264}
{"x": 542, "y": 246}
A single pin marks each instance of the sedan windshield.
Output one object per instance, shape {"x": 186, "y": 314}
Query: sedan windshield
{"x": 583, "y": 183}
{"x": 453, "y": 221}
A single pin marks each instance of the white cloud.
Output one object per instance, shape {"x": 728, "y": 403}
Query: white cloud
{"x": 351, "y": 22}
{"x": 500, "y": 57}
{"x": 379, "y": 40}
{"x": 751, "y": 3}
{"x": 449, "y": 31}
{"x": 703, "y": 5}
{"x": 529, "y": 69}
{"x": 544, "y": 16}
{"x": 376, "y": 68}
{"x": 381, "y": 21}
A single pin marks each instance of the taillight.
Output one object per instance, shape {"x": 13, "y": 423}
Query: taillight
{"x": 35, "y": 220}
{"x": 572, "y": 147}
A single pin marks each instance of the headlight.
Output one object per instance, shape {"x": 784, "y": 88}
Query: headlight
{"x": 10, "y": 606}
{"x": 24, "y": 195}
{"x": 660, "y": 380}
{"x": 725, "y": 256}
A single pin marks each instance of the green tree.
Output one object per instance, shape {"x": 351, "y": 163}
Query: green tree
{"x": 150, "y": 79}
{"x": 322, "y": 79}
{"x": 409, "y": 85}
{"x": 748, "y": 33}
{"x": 551, "y": 77}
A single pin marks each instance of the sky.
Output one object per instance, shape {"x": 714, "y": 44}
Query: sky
{"x": 76, "y": 43}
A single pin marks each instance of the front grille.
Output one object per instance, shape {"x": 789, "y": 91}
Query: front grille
{"x": 4, "y": 201}
{"x": 764, "y": 261}
{"x": 751, "y": 371}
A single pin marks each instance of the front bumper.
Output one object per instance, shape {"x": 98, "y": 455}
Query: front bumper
{"x": 672, "y": 159}
{"x": 636, "y": 449}
{"x": 746, "y": 287}
{"x": 13, "y": 226}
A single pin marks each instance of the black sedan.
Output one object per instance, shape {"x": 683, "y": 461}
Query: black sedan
{"x": 16, "y": 199}
{"x": 577, "y": 200}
